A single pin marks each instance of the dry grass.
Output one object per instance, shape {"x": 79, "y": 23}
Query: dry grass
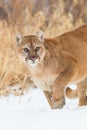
{"x": 52, "y": 17}
{"x": 12, "y": 71}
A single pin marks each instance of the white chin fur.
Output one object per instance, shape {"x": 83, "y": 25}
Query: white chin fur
{"x": 33, "y": 64}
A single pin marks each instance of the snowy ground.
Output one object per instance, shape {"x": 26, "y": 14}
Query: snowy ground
{"x": 32, "y": 112}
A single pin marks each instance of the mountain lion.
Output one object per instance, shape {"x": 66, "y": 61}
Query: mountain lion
{"x": 55, "y": 63}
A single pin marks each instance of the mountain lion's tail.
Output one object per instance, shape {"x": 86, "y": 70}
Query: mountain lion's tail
{"x": 71, "y": 93}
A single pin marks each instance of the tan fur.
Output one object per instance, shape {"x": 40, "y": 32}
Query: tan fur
{"x": 80, "y": 92}
{"x": 72, "y": 94}
{"x": 59, "y": 62}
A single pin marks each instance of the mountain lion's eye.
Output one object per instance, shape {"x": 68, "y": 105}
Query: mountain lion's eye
{"x": 26, "y": 50}
{"x": 37, "y": 49}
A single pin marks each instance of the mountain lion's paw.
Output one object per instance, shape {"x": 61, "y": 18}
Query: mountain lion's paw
{"x": 58, "y": 103}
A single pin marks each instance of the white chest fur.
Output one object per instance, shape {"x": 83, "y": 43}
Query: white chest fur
{"x": 44, "y": 82}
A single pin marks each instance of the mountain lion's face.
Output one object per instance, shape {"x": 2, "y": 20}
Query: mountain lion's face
{"x": 30, "y": 50}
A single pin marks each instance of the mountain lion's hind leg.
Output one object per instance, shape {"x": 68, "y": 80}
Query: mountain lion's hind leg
{"x": 82, "y": 87}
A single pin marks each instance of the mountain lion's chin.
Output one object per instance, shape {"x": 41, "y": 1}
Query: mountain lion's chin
{"x": 33, "y": 63}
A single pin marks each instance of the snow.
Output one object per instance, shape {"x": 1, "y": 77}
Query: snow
{"x": 32, "y": 112}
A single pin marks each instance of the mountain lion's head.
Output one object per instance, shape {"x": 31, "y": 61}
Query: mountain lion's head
{"x": 30, "y": 49}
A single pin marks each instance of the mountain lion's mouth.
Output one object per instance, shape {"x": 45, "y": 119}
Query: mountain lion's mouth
{"x": 32, "y": 63}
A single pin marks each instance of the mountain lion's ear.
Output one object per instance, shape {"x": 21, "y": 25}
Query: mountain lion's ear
{"x": 40, "y": 36}
{"x": 19, "y": 39}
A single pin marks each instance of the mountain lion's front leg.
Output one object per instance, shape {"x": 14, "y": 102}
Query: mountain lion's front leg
{"x": 49, "y": 97}
{"x": 66, "y": 77}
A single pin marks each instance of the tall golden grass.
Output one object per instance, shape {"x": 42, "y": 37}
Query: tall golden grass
{"x": 54, "y": 17}
{"x": 12, "y": 71}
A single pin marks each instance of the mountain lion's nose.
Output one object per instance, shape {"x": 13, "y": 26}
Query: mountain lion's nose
{"x": 33, "y": 58}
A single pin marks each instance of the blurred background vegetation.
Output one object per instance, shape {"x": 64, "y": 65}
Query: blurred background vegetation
{"x": 53, "y": 17}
